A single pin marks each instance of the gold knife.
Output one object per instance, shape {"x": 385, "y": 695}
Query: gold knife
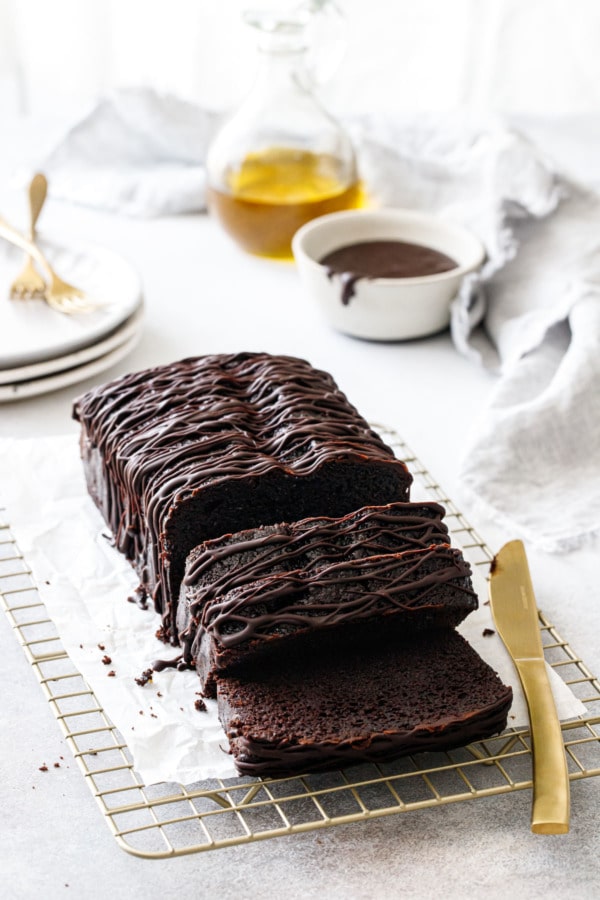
{"x": 515, "y": 613}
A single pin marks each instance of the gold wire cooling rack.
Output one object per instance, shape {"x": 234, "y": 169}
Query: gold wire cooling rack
{"x": 165, "y": 820}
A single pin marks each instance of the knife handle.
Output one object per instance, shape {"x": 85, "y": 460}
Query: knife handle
{"x": 551, "y": 805}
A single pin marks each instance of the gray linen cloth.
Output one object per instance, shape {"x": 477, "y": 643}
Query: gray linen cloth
{"x": 136, "y": 152}
{"x": 532, "y": 314}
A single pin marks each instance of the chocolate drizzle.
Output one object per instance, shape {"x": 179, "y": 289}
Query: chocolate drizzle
{"x": 366, "y": 532}
{"x": 321, "y": 572}
{"x": 154, "y": 440}
{"x": 337, "y": 593}
{"x": 242, "y": 594}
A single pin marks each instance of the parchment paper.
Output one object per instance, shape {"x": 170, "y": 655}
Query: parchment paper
{"x": 84, "y": 583}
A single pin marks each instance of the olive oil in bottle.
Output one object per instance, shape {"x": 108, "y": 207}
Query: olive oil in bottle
{"x": 281, "y": 159}
{"x": 276, "y": 191}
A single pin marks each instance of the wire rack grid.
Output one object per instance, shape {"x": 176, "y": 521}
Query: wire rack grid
{"x": 166, "y": 820}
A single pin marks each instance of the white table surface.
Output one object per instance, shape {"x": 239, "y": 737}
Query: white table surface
{"x": 205, "y": 296}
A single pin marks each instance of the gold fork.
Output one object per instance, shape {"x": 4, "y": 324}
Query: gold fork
{"x": 29, "y": 283}
{"x": 58, "y": 294}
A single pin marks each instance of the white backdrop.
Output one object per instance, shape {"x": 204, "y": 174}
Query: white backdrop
{"x": 515, "y": 56}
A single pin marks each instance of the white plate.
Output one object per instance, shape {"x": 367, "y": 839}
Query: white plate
{"x": 31, "y": 332}
{"x": 39, "y": 370}
{"x": 23, "y": 389}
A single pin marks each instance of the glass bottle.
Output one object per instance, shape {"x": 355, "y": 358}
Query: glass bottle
{"x": 281, "y": 159}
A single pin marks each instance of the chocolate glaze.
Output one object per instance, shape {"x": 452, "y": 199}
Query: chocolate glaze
{"x": 383, "y": 259}
{"x": 159, "y": 665}
{"x": 153, "y": 440}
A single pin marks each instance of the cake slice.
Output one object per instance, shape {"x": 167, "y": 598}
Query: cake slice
{"x": 182, "y": 453}
{"x": 216, "y": 567}
{"x": 249, "y": 592}
{"x": 360, "y": 698}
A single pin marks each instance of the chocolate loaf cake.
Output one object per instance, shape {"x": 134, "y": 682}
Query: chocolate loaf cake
{"x": 360, "y": 699}
{"x": 243, "y": 592}
{"x": 186, "y": 452}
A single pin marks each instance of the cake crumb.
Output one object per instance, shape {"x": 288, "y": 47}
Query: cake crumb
{"x": 101, "y": 647}
{"x": 44, "y": 768}
{"x": 158, "y": 694}
{"x": 487, "y": 632}
{"x": 200, "y": 705}
{"x": 145, "y": 677}
{"x": 111, "y": 674}
{"x": 57, "y": 765}
{"x": 106, "y": 660}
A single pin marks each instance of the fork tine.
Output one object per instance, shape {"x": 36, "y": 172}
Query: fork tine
{"x": 58, "y": 293}
{"x": 28, "y": 283}
{"x": 69, "y": 303}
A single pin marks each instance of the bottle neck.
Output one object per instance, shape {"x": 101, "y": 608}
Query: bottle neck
{"x": 280, "y": 70}
{"x": 282, "y": 45}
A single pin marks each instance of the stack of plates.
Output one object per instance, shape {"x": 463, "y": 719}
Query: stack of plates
{"x": 42, "y": 350}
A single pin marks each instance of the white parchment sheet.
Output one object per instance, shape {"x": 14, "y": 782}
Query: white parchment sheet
{"x": 84, "y": 583}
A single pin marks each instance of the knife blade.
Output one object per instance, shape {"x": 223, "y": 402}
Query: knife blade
{"x": 515, "y": 613}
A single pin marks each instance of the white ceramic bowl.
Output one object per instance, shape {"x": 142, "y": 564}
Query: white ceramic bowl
{"x": 385, "y": 309}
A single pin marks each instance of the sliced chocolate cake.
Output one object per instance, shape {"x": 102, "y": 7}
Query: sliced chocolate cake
{"x": 328, "y": 639}
{"x": 246, "y": 592}
{"x": 360, "y": 698}
{"x": 216, "y": 567}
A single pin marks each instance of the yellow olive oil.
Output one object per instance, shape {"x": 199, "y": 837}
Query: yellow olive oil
{"x": 274, "y": 192}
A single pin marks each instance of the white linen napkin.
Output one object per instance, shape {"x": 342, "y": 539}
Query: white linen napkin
{"x": 531, "y": 314}
{"x": 135, "y": 152}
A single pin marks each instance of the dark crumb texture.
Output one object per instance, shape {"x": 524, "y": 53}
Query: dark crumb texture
{"x": 182, "y": 453}
{"x": 360, "y": 699}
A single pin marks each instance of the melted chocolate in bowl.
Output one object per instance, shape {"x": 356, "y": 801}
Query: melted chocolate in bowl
{"x": 383, "y": 259}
